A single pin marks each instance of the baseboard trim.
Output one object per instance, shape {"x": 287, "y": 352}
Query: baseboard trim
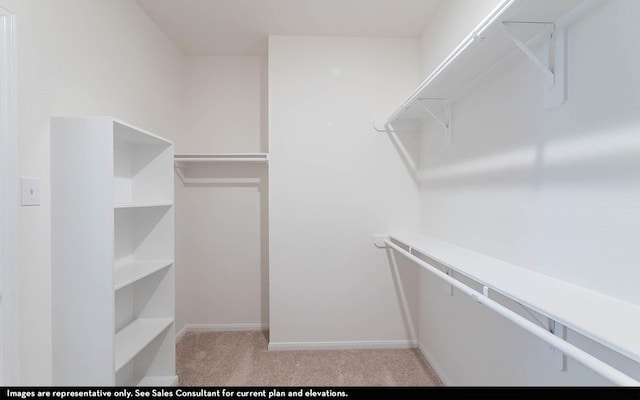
{"x": 220, "y": 328}
{"x": 434, "y": 364}
{"x": 383, "y": 344}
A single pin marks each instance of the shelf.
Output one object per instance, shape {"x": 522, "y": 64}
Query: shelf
{"x": 157, "y": 381}
{"x": 484, "y": 48}
{"x": 143, "y": 233}
{"x": 141, "y": 205}
{"x": 128, "y": 273}
{"x": 136, "y": 336}
{"x": 612, "y": 322}
{"x": 128, "y": 133}
{"x": 198, "y": 168}
{"x": 181, "y": 159}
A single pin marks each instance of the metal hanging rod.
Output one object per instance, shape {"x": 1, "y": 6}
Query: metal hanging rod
{"x": 554, "y": 339}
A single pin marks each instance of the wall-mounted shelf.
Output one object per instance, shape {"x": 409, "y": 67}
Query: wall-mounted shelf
{"x": 141, "y": 205}
{"x": 609, "y": 321}
{"x": 182, "y": 160}
{"x": 515, "y": 25}
{"x": 197, "y": 168}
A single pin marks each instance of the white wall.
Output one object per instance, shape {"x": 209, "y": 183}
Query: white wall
{"x": 451, "y": 22}
{"x": 555, "y": 191}
{"x": 223, "y": 105}
{"x": 334, "y": 182}
{"x": 222, "y": 221}
{"x": 79, "y": 57}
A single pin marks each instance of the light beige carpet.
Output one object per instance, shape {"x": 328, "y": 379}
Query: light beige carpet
{"x": 242, "y": 359}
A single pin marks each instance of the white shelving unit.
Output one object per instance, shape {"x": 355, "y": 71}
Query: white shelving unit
{"x": 112, "y": 254}
{"x": 513, "y": 26}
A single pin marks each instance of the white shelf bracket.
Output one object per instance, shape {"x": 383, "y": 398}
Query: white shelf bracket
{"x": 384, "y": 129}
{"x": 444, "y": 120}
{"x": 560, "y": 331}
{"x": 448, "y": 288}
{"x": 379, "y": 241}
{"x": 547, "y": 69}
{"x": 552, "y": 64}
{"x": 387, "y": 128}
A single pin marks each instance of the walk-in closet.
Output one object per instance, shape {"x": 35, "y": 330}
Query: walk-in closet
{"x": 319, "y": 194}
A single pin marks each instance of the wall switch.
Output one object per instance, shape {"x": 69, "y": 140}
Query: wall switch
{"x": 30, "y": 191}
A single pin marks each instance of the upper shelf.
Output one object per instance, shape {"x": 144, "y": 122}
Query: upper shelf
{"x": 182, "y": 159}
{"x": 525, "y": 21}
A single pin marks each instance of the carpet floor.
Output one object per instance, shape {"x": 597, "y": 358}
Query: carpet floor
{"x": 242, "y": 359}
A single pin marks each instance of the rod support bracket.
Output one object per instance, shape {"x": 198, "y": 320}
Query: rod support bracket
{"x": 552, "y": 63}
{"x": 385, "y": 129}
{"x": 560, "y": 331}
{"x": 444, "y": 119}
{"x": 379, "y": 241}
{"x": 448, "y": 288}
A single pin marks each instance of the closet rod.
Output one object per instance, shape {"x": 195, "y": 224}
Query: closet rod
{"x": 601, "y": 368}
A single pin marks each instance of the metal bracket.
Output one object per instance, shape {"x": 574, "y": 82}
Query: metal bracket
{"x": 388, "y": 129}
{"x": 552, "y": 64}
{"x": 560, "y": 331}
{"x": 445, "y": 120}
{"x": 448, "y": 288}
{"x": 379, "y": 241}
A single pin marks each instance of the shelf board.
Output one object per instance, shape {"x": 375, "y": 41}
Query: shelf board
{"x": 128, "y": 133}
{"x": 142, "y": 205}
{"x": 483, "y": 49}
{"x": 220, "y": 157}
{"x": 136, "y": 336}
{"x": 612, "y": 322}
{"x": 154, "y": 381}
{"x": 131, "y": 272}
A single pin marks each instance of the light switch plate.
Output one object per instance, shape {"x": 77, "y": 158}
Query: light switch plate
{"x": 29, "y": 191}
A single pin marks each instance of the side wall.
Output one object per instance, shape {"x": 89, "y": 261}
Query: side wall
{"x": 450, "y": 24}
{"x": 555, "y": 191}
{"x": 334, "y": 183}
{"x": 79, "y": 57}
{"x": 222, "y": 220}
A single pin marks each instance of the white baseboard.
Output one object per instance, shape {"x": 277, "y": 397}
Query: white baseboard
{"x": 434, "y": 364}
{"x": 383, "y": 344}
{"x": 220, "y": 328}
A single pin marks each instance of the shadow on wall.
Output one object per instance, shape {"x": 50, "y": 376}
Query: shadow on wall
{"x": 590, "y": 158}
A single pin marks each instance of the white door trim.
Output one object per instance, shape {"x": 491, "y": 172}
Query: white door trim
{"x": 9, "y": 273}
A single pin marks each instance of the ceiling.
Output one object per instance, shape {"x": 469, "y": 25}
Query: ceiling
{"x": 241, "y": 27}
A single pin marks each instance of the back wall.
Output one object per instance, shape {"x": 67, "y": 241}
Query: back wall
{"x": 334, "y": 182}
